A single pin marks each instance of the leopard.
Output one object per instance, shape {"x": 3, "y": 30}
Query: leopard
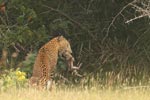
{"x": 46, "y": 62}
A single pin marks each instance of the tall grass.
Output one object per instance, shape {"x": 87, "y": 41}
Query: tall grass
{"x": 116, "y": 62}
{"x": 75, "y": 94}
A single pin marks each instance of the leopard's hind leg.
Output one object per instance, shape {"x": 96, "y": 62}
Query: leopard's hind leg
{"x": 42, "y": 83}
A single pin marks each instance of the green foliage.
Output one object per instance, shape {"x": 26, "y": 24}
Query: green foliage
{"x": 12, "y": 79}
{"x": 28, "y": 63}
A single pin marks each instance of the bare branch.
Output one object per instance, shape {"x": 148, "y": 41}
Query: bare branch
{"x": 114, "y": 19}
{"x": 144, "y": 11}
{"x": 138, "y": 17}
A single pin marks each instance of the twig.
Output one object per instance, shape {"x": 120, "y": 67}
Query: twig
{"x": 136, "y": 18}
{"x": 140, "y": 9}
{"x": 114, "y": 19}
{"x": 17, "y": 50}
{"x": 145, "y": 13}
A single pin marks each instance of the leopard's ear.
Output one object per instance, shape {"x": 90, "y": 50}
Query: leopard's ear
{"x": 60, "y": 38}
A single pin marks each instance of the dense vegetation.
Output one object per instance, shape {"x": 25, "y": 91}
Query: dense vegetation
{"x": 110, "y": 37}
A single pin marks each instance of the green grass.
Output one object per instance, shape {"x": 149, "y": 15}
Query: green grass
{"x": 76, "y": 94}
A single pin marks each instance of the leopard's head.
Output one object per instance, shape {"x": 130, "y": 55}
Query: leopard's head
{"x": 64, "y": 45}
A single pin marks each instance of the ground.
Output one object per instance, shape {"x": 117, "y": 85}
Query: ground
{"x": 76, "y": 94}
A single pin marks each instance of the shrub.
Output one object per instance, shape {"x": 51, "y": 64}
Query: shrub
{"x": 13, "y": 78}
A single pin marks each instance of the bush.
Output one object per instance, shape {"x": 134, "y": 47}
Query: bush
{"x": 13, "y": 78}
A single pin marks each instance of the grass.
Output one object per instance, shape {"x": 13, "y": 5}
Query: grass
{"x": 76, "y": 94}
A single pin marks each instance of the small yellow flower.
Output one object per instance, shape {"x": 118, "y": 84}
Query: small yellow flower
{"x": 21, "y": 78}
{"x": 20, "y": 75}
